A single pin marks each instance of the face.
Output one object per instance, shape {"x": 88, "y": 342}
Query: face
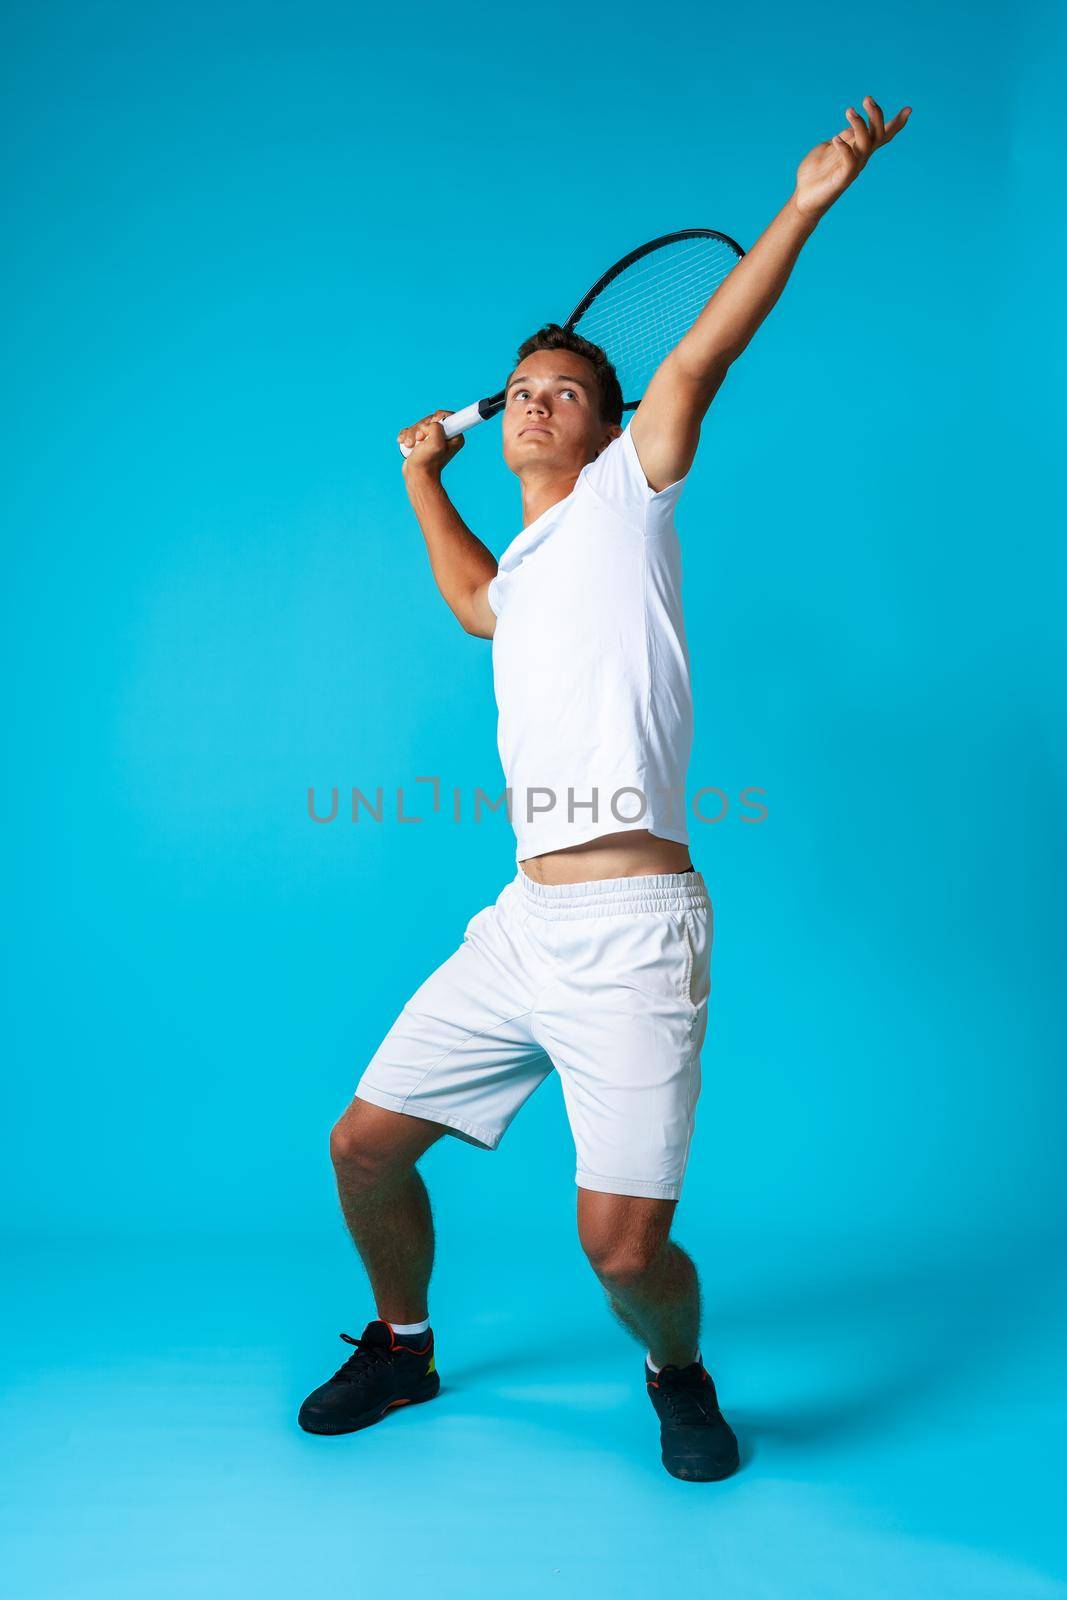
{"x": 551, "y": 416}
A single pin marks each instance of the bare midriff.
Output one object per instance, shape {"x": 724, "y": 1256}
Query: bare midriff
{"x": 630, "y": 854}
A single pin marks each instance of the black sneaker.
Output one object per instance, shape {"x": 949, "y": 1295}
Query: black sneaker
{"x": 698, "y": 1442}
{"x": 382, "y": 1373}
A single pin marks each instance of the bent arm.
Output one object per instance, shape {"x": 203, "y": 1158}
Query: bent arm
{"x": 461, "y": 564}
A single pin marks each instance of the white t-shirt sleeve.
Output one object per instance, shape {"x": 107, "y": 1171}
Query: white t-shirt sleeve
{"x": 617, "y": 478}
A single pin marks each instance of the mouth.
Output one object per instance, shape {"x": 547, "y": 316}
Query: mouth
{"x": 533, "y": 429}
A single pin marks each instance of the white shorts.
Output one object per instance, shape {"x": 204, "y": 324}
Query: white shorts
{"x": 608, "y": 983}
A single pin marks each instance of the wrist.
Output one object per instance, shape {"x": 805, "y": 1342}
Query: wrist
{"x": 805, "y": 217}
{"x": 420, "y": 472}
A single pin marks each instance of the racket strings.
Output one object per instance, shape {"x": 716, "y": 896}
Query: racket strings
{"x": 667, "y": 284}
{"x": 642, "y": 313}
{"x": 651, "y": 279}
{"x": 639, "y": 331}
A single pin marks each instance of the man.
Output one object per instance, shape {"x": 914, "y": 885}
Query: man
{"x": 595, "y": 959}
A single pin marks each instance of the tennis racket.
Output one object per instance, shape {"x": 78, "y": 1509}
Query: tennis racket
{"x": 636, "y": 312}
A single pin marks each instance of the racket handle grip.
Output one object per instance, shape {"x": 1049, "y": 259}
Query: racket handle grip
{"x": 457, "y": 422}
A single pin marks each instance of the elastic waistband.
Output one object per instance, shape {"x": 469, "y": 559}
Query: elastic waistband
{"x": 656, "y": 891}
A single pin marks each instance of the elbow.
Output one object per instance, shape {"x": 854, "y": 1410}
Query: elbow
{"x": 468, "y": 621}
{"x": 709, "y": 370}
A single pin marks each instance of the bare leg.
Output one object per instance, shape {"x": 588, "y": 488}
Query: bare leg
{"x": 651, "y": 1284}
{"x": 385, "y": 1203}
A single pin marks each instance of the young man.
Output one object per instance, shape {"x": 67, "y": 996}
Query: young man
{"x": 595, "y": 960}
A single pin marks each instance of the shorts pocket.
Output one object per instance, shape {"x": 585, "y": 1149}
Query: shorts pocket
{"x": 697, "y": 928}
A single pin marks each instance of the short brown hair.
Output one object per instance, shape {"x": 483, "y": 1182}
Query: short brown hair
{"x": 554, "y": 337}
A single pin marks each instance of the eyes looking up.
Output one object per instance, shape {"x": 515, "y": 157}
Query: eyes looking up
{"x": 516, "y": 393}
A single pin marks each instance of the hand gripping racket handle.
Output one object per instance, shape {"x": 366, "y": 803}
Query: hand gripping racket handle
{"x": 469, "y": 417}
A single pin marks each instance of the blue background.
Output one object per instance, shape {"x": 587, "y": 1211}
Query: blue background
{"x": 248, "y": 243}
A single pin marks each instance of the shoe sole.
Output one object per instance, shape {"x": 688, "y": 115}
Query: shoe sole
{"x": 695, "y": 1474}
{"x": 369, "y": 1418}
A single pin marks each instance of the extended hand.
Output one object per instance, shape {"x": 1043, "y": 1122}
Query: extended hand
{"x": 827, "y": 171}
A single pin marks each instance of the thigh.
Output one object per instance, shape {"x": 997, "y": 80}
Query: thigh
{"x": 624, "y": 1024}
{"x": 461, "y": 1052}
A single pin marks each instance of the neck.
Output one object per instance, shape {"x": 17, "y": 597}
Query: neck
{"x": 543, "y": 490}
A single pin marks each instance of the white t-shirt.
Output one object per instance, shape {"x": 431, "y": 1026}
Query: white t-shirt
{"x": 590, "y": 662}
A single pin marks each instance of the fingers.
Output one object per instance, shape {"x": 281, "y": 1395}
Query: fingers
{"x": 407, "y": 436}
{"x": 861, "y": 136}
{"x": 874, "y": 111}
{"x": 894, "y": 127}
{"x": 880, "y": 131}
{"x": 864, "y": 139}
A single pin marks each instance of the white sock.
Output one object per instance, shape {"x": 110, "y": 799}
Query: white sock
{"x": 409, "y": 1327}
{"x": 652, "y": 1365}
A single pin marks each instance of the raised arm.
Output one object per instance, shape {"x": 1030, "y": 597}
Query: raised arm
{"x": 666, "y": 425}
{"x": 462, "y": 566}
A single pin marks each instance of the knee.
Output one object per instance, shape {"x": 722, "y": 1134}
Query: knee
{"x": 359, "y": 1157}
{"x": 621, "y": 1263}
